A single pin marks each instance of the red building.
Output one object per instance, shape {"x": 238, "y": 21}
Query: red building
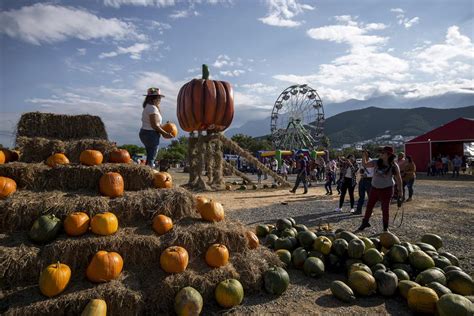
{"x": 448, "y": 139}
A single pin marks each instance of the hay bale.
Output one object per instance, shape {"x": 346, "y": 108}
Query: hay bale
{"x": 38, "y": 149}
{"x": 121, "y": 298}
{"x": 60, "y": 126}
{"x": 19, "y": 211}
{"x": 74, "y": 177}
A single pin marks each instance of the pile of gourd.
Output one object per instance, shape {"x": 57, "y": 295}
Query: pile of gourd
{"x": 429, "y": 278}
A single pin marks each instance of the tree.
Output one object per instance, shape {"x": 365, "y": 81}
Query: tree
{"x": 133, "y": 149}
{"x": 252, "y": 145}
{"x": 176, "y": 151}
{"x": 325, "y": 142}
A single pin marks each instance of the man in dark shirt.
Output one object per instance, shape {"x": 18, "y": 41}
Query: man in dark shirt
{"x": 301, "y": 177}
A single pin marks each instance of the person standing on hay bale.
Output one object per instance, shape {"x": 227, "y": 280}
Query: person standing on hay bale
{"x": 301, "y": 177}
{"x": 151, "y": 124}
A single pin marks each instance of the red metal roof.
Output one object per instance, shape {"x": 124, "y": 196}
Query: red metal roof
{"x": 461, "y": 129}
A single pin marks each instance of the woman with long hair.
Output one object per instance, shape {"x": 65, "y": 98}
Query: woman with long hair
{"x": 151, "y": 124}
{"x": 348, "y": 175}
{"x": 386, "y": 174}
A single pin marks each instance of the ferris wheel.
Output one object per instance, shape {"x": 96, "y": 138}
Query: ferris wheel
{"x": 297, "y": 119}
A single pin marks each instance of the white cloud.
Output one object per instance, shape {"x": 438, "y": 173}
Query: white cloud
{"x": 403, "y": 20}
{"x": 160, "y": 26}
{"x": 455, "y": 55}
{"x": 282, "y": 12}
{"x": 53, "y": 23}
{"x": 135, "y": 51}
{"x": 157, "y": 3}
{"x": 259, "y": 88}
{"x": 226, "y": 61}
{"x": 81, "y": 51}
{"x": 232, "y": 73}
{"x": 181, "y": 14}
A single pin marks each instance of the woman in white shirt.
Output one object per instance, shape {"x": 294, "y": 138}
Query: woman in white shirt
{"x": 151, "y": 124}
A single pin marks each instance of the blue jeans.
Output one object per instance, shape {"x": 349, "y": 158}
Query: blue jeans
{"x": 364, "y": 187}
{"x": 409, "y": 185}
{"x": 301, "y": 178}
{"x": 151, "y": 140}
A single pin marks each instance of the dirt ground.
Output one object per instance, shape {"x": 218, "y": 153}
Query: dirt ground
{"x": 441, "y": 205}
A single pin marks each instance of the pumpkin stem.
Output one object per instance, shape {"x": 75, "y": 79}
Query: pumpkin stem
{"x": 58, "y": 265}
{"x": 205, "y": 72}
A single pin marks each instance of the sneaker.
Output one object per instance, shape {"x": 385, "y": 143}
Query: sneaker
{"x": 305, "y": 192}
{"x": 352, "y": 210}
{"x": 356, "y": 212}
{"x": 292, "y": 191}
{"x": 327, "y": 193}
{"x": 364, "y": 225}
{"x": 330, "y": 193}
{"x": 408, "y": 200}
{"x": 338, "y": 209}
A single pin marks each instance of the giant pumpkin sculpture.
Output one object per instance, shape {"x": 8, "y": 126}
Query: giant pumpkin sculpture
{"x": 205, "y": 104}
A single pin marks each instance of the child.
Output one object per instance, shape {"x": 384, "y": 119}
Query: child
{"x": 329, "y": 180}
{"x": 259, "y": 176}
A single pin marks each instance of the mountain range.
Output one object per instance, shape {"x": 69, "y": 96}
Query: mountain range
{"x": 426, "y": 105}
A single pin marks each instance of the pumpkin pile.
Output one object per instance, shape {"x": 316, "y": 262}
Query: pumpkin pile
{"x": 429, "y": 278}
{"x": 86, "y": 248}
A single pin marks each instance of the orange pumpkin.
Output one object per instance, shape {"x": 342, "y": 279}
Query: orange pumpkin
{"x": 54, "y": 279}
{"x": 91, "y": 157}
{"x": 217, "y": 255}
{"x": 162, "y": 224}
{"x": 57, "y": 159}
{"x": 200, "y": 201}
{"x": 76, "y": 224}
{"x": 119, "y": 156}
{"x": 212, "y": 211}
{"x": 3, "y": 158}
{"x": 7, "y": 187}
{"x": 205, "y": 104}
{"x": 104, "y": 224}
{"x": 111, "y": 184}
{"x": 174, "y": 259}
{"x": 104, "y": 266}
{"x": 252, "y": 239}
{"x": 162, "y": 180}
{"x": 170, "y": 128}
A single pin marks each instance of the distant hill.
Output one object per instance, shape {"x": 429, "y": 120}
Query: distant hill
{"x": 445, "y": 101}
{"x": 358, "y": 125}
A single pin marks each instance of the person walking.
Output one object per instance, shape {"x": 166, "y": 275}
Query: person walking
{"x": 386, "y": 174}
{"x": 329, "y": 180}
{"x": 408, "y": 178}
{"x": 348, "y": 174}
{"x": 365, "y": 183}
{"x": 284, "y": 170}
{"x": 302, "y": 174}
{"x": 151, "y": 124}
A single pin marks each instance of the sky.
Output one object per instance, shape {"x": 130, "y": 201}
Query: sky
{"x": 100, "y": 56}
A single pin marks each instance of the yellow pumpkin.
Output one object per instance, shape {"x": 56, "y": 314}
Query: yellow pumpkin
{"x": 104, "y": 224}
{"x": 7, "y": 187}
{"x": 174, "y": 259}
{"x": 170, "y": 128}
{"x": 252, "y": 239}
{"x": 76, "y": 224}
{"x": 95, "y": 307}
{"x": 54, "y": 279}
{"x": 217, "y": 255}
{"x": 422, "y": 299}
{"x": 162, "y": 180}
{"x": 3, "y": 159}
{"x": 111, "y": 184}
{"x": 104, "y": 266}
{"x": 200, "y": 201}
{"x": 91, "y": 157}
{"x": 57, "y": 159}
{"x": 229, "y": 293}
{"x": 212, "y": 211}
{"x": 162, "y": 224}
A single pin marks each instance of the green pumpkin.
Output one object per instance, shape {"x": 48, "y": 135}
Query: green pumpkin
{"x": 300, "y": 227}
{"x": 433, "y": 240}
{"x": 313, "y": 267}
{"x": 45, "y": 228}
{"x": 403, "y": 266}
{"x": 285, "y": 256}
{"x": 426, "y": 247}
{"x": 441, "y": 261}
{"x": 339, "y": 247}
{"x": 188, "y": 301}
{"x": 356, "y": 249}
{"x": 298, "y": 257}
{"x": 372, "y": 256}
{"x": 283, "y": 224}
{"x": 270, "y": 241}
{"x": 306, "y": 239}
{"x": 405, "y": 285}
{"x": 460, "y": 282}
{"x": 431, "y": 275}
{"x": 368, "y": 243}
{"x": 229, "y": 293}
{"x": 452, "y": 258}
{"x": 347, "y": 236}
{"x": 292, "y": 221}
{"x": 401, "y": 274}
{"x": 323, "y": 245}
{"x": 398, "y": 254}
{"x": 288, "y": 233}
{"x": 342, "y": 291}
{"x": 358, "y": 267}
{"x": 454, "y": 304}
{"x": 451, "y": 268}
{"x": 439, "y": 288}
{"x": 262, "y": 230}
{"x": 387, "y": 282}
{"x": 317, "y": 254}
{"x": 283, "y": 243}
{"x": 276, "y": 280}
{"x": 378, "y": 266}
{"x": 420, "y": 260}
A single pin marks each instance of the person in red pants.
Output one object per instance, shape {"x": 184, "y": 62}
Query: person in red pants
{"x": 386, "y": 174}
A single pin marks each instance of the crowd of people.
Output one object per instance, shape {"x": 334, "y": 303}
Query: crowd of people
{"x": 441, "y": 165}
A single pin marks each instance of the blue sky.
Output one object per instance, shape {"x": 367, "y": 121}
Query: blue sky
{"x": 99, "y": 56}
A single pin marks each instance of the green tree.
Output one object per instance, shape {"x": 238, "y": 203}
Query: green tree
{"x": 133, "y": 149}
{"x": 325, "y": 142}
{"x": 176, "y": 151}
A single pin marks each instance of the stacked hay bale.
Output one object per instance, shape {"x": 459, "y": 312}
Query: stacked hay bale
{"x": 142, "y": 287}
